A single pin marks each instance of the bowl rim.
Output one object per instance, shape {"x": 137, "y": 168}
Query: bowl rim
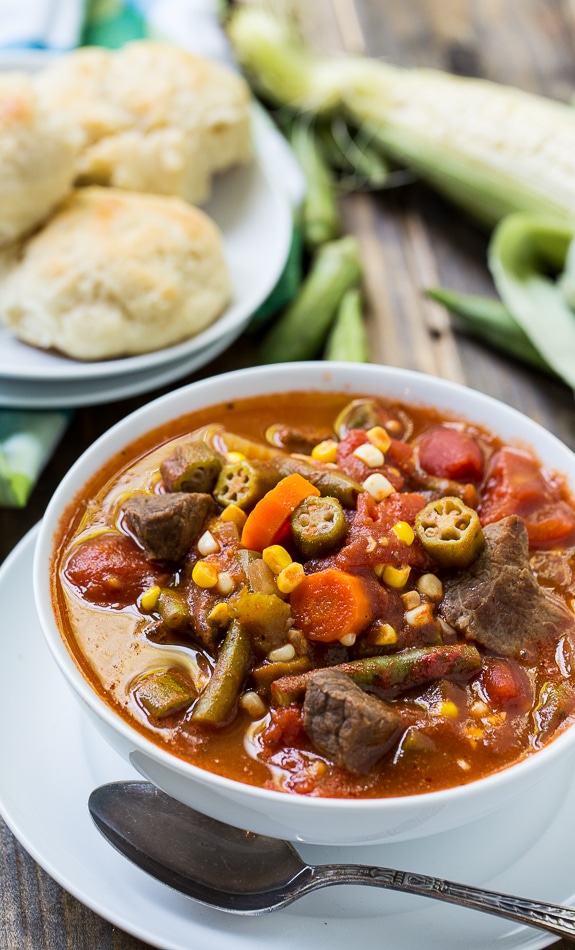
{"x": 326, "y": 376}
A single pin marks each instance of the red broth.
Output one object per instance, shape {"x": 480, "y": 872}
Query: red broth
{"x": 427, "y": 567}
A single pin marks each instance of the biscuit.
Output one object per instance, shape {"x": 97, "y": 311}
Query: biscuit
{"x": 156, "y": 118}
{"x": 38, "y": 155}
{"x": 115, "y": 273}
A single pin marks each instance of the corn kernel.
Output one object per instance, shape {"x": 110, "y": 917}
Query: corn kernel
{"x": 474, "y": 733}
{"x": 419, "y": 615}
{"x": 430, "y": 586}
{"x": 378, "y": 486}
{"x": 448, "y": 633}
{"x": 276, "y": 557}
{"x": 234, "y": 456}
{"x": 226, "y": 582}
{"x": 149, "y": 598}
{"x": 219, "y": 615}
{"x": 290, "y": 578}
{"x": 348, "y": 640}
{"x": 282, "y": 654}
{"x": 383, "y": 635}
{"x": 235, "y": 514}
{"x": 253, "y": 704}
{"x": 404, "y": 532}
{"x": 396, "y": 576}
{"x": 370, "y": 454}
{"x": 325, "y": 451}
{"x": 449, "y": 709}
{"x": 379, "y": 437}
{"x": 204, "y": 574}
{"x": 410, "y": 599}
{"x": 208, "y": 544}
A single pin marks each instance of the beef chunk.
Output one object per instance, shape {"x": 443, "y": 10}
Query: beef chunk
{"x": 497, "y": 600}
{"x": 555, "y": 568}
{"x": 166, "y": 526}
{"x": 349, "y": 726}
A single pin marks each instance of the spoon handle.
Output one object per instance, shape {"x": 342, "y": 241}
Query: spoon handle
{"x": 554, "y": 918}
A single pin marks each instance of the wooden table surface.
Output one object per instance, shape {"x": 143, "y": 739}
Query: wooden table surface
{"x": 410, "y": 240}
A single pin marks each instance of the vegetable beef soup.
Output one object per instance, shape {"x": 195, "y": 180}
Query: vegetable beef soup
{"x": 326, "y": 596}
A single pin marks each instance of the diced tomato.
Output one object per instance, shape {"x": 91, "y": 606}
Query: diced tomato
{"x": 371, "y": 539}
{"x": 516, "y": 485}
{"x": 111, "y": 570}
{"x": 285, "y": 728}
{"x": 451, "y": 453}
{"x": 505, "y": 685}
{"x": 398, "y": 459}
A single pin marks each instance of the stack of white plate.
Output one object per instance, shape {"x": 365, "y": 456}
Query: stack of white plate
{"x": 251, "y": 206}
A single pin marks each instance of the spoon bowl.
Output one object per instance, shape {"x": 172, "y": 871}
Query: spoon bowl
{"x": 245, "y": 873}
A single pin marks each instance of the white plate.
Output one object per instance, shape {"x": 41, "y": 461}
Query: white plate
{"x": 51, "y": 760}
{"x": 250, "y": 204}
{"x": 39, "y": 394}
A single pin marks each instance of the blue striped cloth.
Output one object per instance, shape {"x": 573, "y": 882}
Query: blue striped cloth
{"x": 40, "y": 24}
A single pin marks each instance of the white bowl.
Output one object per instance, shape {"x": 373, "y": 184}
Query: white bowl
{"x": 300, "y": 818}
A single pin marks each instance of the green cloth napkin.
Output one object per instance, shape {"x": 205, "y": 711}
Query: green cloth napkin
{"x": 28, "y": 438}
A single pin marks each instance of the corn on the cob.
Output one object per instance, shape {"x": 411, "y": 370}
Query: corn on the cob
{"x": 490, "y": 148}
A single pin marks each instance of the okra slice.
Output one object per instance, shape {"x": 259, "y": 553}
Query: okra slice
{"x": 318, "y": 525}
{"x": 243, "y": 483}
{"x": 191, "y": 467}
{"x": 163, "y": 693}
{"x": 367, "y": 413}
{"x": 218, "y": 699}
{"x": 450, "y": 531}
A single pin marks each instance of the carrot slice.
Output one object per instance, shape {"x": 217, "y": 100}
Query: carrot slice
{"x": 330, "y": 604}
{"x": 272, "y": 512}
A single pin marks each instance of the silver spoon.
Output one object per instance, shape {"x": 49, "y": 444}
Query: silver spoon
{"x": 244, "y": 873}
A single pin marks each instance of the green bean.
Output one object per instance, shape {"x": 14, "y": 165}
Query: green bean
{"x": 347, "y": 339}
{"x": 327, "y": 480}
{"x": 162, "y": 693}
{"x": 489, "y": 320}
{"x": 217, "y": 700}
{"x": 395, "y": 671}
{"x": 319, "y": 216}
{"x": 300, "y": 331}
{"x": 173, "y": 610}
{"x": 264, "y": 675}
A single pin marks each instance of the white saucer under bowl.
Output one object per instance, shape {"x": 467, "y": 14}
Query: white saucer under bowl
{"x": 53, "y": 759}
